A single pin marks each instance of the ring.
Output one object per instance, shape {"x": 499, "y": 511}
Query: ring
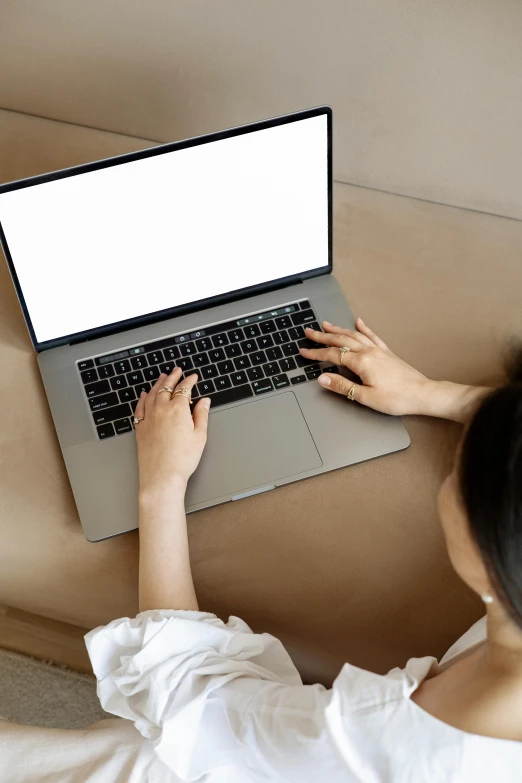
{"x": 343, "y": 350}
{"x": 351, "y": 393}
{"x": 182, "y": 392}
{"x": 165, "y": 388}
{"x": 137, "y": 419}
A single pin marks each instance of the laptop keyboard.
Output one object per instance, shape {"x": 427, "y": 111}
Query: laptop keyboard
{"x": 236, "y": 360}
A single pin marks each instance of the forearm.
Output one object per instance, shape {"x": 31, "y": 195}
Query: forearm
{"x": 165, "y": 578}
{"x": 454, "y": 401}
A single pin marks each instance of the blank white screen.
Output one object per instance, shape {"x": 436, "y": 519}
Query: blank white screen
{"x": 135, "y": 238}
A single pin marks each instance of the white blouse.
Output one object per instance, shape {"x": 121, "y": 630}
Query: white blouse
{"x": 219, "y": 703}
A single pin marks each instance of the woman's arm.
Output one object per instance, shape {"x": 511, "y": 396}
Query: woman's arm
{"x": 389, "y": 384}
{"x": 170, "y": 443}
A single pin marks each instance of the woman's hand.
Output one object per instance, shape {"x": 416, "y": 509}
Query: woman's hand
{"x": 170, "y": 438}
{"x": 389, "y": 384}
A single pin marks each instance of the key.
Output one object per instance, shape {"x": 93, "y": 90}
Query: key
{"x": 333, "y": 369}
{"x": 111, "y": 414}
{"x": 167, "y": 367}
{"x": 100, "y": 387}
{"x": 296, "y": 333}
{"x": 225, "y": 367}
{"x": 248, "y": 346}
{"x": 255, "y": 374}
{"x": 272, "y": 368}
{"x": 134, "y": 377}
{"x": 233, "y": 350}
{"x": 89, "y": 376}
{"x": 252, "y": 331}
{"x": 151, "y": 373}
{"x": 171, "y": 354}
{"x": 267, "y": 327}
{"x": 274, "y": 353}
{"x": 137, "y": 362}
{"x": 122, "y": 367}
{"x": 242, "y": 362}
{"x": 204, "y": 388}
{"x": 303, "y": 317}
{"x": 156, "y": 357}
{"x": 280, "y": 381}
{"x": 312, "y": 374}
{"x": 142, "y": 387}
{"x": 290, "y": 349}
{"x": 238, "y": 378}
{"x": 105, "y": 401}
{"x": 264, "y": 342}
{"x": 258, "y": 358}
{"x": 105, "y": 431}
{"x": 312, "y": 368}
{"x": 219, "y": 340}
{"x": 122, "y": 426}
{"x": 298, "y": 379}
{"x": 182, "y": 338}
{"x": 216, "y": 355}
{"x": 200, "y": 359}
{"x": 260, "y": 387}
{"x": 281, "y": 337}
{"x": 236, "y": 335}
{"x": 306, "y": 343}
{"x": 86, "y": 364}
{"x": 305, "y": 305}
{"x": 106, "y": 371}
{"x": 185, "y": 364}
{"x": 118, "y": 382}
{"x": 127, "y": 395}
{"x": 234, "y": 394}
{"x": 302, "y": 362}
{"x": 204, "y": 344}
{"x": 223, "y": 382}
{"x": 287, "y": 364}
{"x": 210, "y": 371}
{"x": 188, "y": 349}
{"x": 284, "y": 322}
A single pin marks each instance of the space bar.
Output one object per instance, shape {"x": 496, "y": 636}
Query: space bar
{"x": 231, "y": 395}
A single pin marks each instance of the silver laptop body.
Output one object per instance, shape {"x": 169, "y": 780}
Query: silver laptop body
{"x": 211, "y": 253}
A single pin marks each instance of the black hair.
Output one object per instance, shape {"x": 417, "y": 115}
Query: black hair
{"x": 490, "y": 483}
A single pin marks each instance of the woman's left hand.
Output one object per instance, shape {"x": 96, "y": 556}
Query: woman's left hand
{"x": 170, "y": 438}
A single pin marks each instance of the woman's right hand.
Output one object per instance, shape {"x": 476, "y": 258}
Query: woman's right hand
{"x": 388, "y": 385}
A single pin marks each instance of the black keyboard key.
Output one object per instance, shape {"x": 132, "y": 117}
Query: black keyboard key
{"x": 121, "y": 426}
{"x": 233, "y": 350}
{"x": 155, "y": 357}
{"x": 255, "y": 374}
{"x": 204, "y": 388}
{"x": 225, "y": 367}
{"x": 298, "y": 379}
{"x": 281, "y": 337}
{"x": 258, "y": 358}
{"x": 105, "y": 431}
{"x": 111, "y": 414}
{"x": 122, "y": 367}
{"x": 223, "y": 383}
{"x": 134, "y": 377}
{"x": 306, "y": 343}
{"x": 106, "y": 371}
{"x": 290, "y": 349}
{"x": 167, "y": 367}
{"x": 89, "y": 376}
{"x": 264, "y": 342}
{"x": 105, "y": 401}
{"x": 151, "y": 373}
{"x": 171, "y": 354}
{"x": 272, "y": 368}
{"x": 236, "y": 335}
{"x": 118, "y": 382}
{"x": 312, "y": 374}
{"x": 210, "y": 371}
{"x": 200, "y": 359}
{"x": 304, "y": 317}
{"x": 127, "y": 395}
{"x": 333, "y": 369}
{"x": 315, "y": 326}
{"x": 305, "y": 305}
{"x": 138, "y": 362}
{"x": 216, "y": 355}
{"x": 296, "y": 333}
{"x": 248, "y": 346}
{"x": 188, "y": 350}
{"x": 186, "y": 364}
{"x": 312, "y": 368}
{"x": 142, "y": 387}
{"x": 219, "y": 340}
{"x": 252, "y": 331}
{"x": 234, "y": 394}
{"x": 287, "y": 364}
{"x": 302, "y": 362}
{"x": 260, "y": 387}
{"x": 87, "y": 364}
{"x": 267, "y": 327}
{"x": 274, "y": 353}
{"x": 280, "y": 381}
{"x": 284, "y": 322}
{"x": 238, "y": 378}
{"x": 100, "y": 387}
{"x": 204, "y": 344}
{"x": 242, "y": 362}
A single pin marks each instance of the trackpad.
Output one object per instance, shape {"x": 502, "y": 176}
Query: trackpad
{"x": 252, "y": 445}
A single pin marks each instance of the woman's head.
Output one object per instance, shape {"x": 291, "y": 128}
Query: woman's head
{"x": 480, "y": 502}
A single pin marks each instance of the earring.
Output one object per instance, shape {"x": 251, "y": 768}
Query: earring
{"x": 487, "y": 598}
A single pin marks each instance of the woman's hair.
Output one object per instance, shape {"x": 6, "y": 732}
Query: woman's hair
{"x": 490, "y": 481}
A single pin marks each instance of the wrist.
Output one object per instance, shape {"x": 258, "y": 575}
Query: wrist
{"x": 448, "y": 400}
{"x": 158, "y": 497}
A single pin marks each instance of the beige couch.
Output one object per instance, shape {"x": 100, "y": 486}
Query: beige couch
{"x": 350, "y": 565}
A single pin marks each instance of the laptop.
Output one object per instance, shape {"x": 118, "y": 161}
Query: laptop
{"x": 211, "y": 254}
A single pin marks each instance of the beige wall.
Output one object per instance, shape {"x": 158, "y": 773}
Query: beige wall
{"x": 427, "y": 94}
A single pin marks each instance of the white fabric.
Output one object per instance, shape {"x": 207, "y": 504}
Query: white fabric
{"x": 218, "y": 703}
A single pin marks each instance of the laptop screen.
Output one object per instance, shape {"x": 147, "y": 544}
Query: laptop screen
{"x": 133, "y": 238}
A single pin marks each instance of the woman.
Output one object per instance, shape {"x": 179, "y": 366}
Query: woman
{"x": 219, "y": 703}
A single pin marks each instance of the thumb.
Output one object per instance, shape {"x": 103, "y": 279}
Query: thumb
{"x": 200, "y": 416}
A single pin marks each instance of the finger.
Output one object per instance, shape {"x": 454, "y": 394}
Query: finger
{"x": 200, "y": 415}
{"x": 150, "y": 400}
{"x": 163, "y": 398}
{"x": 186, "y": 383}
{"x": 367, "y": 331}
{"x": 340, "y": 330}
{"x": 140, "y": 407}
{"x": 338, "y": 339}
{"x": 341, "y": 385}
{"x": 333, "y": 355}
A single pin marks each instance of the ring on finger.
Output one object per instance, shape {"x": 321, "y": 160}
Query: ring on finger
{"x": 342, "y": 351}
{"x": 137, "y": 419}
{"x": 165, "y": 388}
{"x": 351, "y": 393}
{"x": 182, "y": 392}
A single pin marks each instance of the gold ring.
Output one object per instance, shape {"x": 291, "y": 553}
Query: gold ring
{"x": 351, "y": 393}
{"x": 182, "y": 392}
{"x": 137, "y": 419}
{"x": 165, "y": 388}
{"x": 342, "y": 351}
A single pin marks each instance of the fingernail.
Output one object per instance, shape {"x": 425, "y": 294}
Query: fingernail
{"x": 325, "y": 380}
{"x": 142, "y": 393}
{"x": 327, "y": 323}
{"x": 361, "y": 320}
{"x": 206, "y": 404}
